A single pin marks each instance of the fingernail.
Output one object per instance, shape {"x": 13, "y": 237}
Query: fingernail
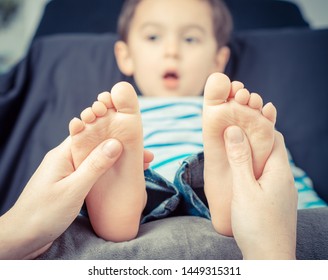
{"x": 234, "y": 135}
{"x": 112, "y": 148}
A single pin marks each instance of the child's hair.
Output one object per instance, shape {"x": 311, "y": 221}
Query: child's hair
{"x": 222, "y": 20}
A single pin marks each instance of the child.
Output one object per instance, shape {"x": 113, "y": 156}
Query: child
{"x": 170, "y": 48}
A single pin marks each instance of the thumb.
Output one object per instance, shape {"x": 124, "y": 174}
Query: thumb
{"x": 239, "y": 156}
{"x": 101, "y": 159}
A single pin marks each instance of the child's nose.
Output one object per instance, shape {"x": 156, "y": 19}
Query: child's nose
{"x": 171, "y": 48}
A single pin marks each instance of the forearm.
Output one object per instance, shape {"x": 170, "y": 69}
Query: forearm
{"x": 271, "y": 255}
{"x": 16, "y": 241}
{"x": 272, "y": 248}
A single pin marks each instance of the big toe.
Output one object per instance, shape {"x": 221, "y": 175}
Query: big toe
{"x": 124, "y": 98}
{"x": 217, "y": 89}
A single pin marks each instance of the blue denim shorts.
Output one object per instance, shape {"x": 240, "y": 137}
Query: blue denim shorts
{"x": 184, "y": 197}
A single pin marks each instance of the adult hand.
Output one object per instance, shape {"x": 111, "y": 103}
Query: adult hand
{"x": 53, "y": 198}
{"x": 264, "y": 211}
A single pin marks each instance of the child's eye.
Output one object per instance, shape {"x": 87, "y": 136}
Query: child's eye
{"x": 191, "y": 40}
{"x": 152, "y": 37}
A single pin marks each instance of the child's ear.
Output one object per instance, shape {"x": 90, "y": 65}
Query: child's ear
{"x": 123, "y": 58}
{"x": 222, "y": 58}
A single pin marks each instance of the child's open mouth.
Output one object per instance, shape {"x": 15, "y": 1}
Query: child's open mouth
{"x": 171, "y": 80}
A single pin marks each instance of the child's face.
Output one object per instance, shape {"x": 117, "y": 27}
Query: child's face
{"x": 171, "y": 48}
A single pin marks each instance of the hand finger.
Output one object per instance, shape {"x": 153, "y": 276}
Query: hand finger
{"x": 277, "y": 166}
{"x": 63, "y": 150}
{"x": 146, "y": 165}
{"x": 278, "y": 157}
{"x": 101, "y": 159}
{"x": 148, "y": 156}
{"x": 239, "y": 156}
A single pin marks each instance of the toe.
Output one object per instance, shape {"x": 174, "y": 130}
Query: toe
{"x": 99, "y": 109}
{"x": 235, "y": 86}
{"x": 217, "y": 89}
{"x": 270, "y": 112}
{"x": 75, "y": 126}
{"x": 124, "y": 98}
{"x": 88, "y": 115}
{"x": 242, "y": 96}
{"x": 105, "y": 98}
{"x": 255, "y": 101}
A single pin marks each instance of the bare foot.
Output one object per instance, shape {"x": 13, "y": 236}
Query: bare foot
{"x": 116, "y": 201}
{"x": 227, "y": 104}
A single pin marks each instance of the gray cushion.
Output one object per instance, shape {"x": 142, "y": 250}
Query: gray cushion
{"x": 182, "y": 238}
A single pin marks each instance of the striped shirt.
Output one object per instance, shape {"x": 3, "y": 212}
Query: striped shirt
{"x": 172, "y": 130}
